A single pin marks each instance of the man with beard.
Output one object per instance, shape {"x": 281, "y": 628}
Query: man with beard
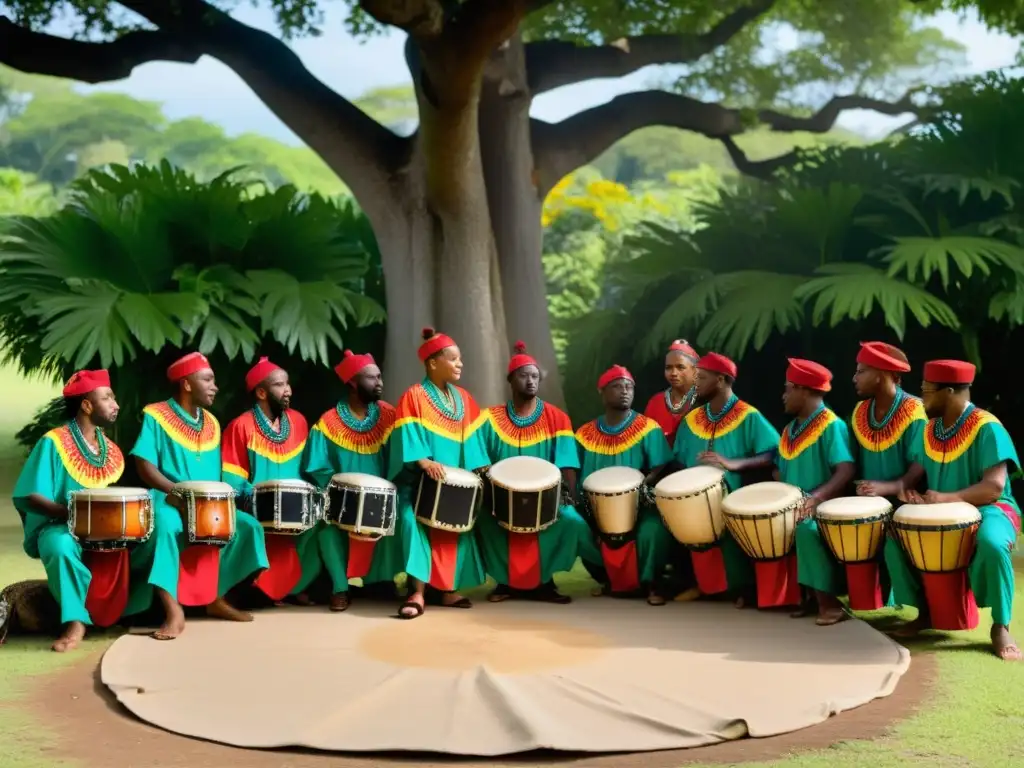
{"x": 71, "y": 457}
{"x": 726, "y": 432}
{"x": 967, "y": 457}
{"x": 180, "y": 442}
{"x": 524, "y": 564}
{"x": 624, "y": 438}
{"x": 670, "y": 407}
{"x": 353, "y": 437}
{"x": 437, "y": 423}
{"x": 266, "y": 443}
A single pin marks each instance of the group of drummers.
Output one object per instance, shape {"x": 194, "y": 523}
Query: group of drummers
{"x": 914, "y": 510}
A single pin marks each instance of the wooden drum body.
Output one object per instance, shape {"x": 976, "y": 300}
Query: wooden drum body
{"x": 209, "y": 512}
{"x": 449, "y": 505}
{"x": 939, "y": 541}
{"x": 285, "y": 506}
{"x": 363, "y": 505}
{"x": 526, "y": 493}
{"x": 107, "y": 519}
{"x": 853, "y": 528}
{"x": 613, "y": 494}
{"x": 762, "y": 519}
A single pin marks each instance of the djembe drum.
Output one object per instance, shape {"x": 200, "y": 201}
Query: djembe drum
{"x": 285, "y": 507}
{"x": 939, "y": 541}
{"x": 762, "y": 519}
{"x": 690, "y": 504}
{"x": 613, "y": 497}
{"x": 853, "y": 528}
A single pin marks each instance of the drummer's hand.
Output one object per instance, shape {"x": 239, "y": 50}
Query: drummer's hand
{"x": 911, "y": 496}
{"x": 937, "y": 497}
{"x": 434, "y": 470}
{"x": 482, "y": 470}
{"x": 871, "y": 488}
{"x": 713, "y": 459}
{"x": 807, "y": 508}
{"x": 176, "y": 501}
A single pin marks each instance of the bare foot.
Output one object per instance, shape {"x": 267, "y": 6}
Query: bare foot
{"x": 413, "y": 606}
{"x": 339, "y": 602}
{"x": 911, "y": 629}
{"x": 174, "y": 623}
{"x": 221, "y": 609}
{"x": 69, "y": 639}
{"x": 1003, "y": 645}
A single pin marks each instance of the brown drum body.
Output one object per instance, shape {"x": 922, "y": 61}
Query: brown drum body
{"x": 214, "y": 519}
{"x": 110, "y": 518}
{"x": 209, "y": 512}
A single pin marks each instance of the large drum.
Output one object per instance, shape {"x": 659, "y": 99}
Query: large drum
{"x": 613, "y": 494}
{"x": 853, "y": 527}
{"x": 451, "y": 504}
{"x": 362, "y": 504}
{"x": 107, "y": 519}
{"x": 526, "y": 493}
{"x": 762, "y": 518}
{"x": 285, "y": 506}
{"x": 690, "y": 504}
{"x": 209, "y": 512}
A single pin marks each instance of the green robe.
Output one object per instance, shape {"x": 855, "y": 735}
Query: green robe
{"x": 954, "y": 461}
{"x": 528, "y": 560}
{"x": 739, "y": 432}
{"x": 426, "y": 429}
{"x": 56, "y": 467}
{"x": 184, "y": 452}
{"x": 341, "y": 443}
{"x": 638, "y": 443}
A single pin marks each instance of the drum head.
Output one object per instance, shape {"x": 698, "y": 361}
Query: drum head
{"x": 525, "y": 473}
{"x": 285, "y": 485}
{"x": 761, "y": 499}
{"x": 689, "y": 481}
{"x": 111, "y": 493}
{"x": 461, "y": 478}
{"x": 952, "y": 513}
{"x": 198, "y": 486}
{"x": 613, "y": 480}
{"x": 362, "y": 480}
{"x": 854, "y": 508}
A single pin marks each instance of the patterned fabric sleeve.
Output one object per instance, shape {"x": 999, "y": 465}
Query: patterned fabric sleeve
{"x": 316, "y": 462}
{"x": 474, "y": 449}
{"x": 409, "y": 442}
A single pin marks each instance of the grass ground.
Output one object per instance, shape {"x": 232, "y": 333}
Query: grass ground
{"x": 975, "y": 719}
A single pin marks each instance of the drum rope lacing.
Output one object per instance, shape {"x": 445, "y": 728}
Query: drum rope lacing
{"x": 455, "y": 410}
{"x": 362, "y": 425}
{"x": 265, "y": 426}
{"x": 96, "y": 459}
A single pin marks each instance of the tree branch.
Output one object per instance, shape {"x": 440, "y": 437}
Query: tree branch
{"x": 554, "y": 63}
{"x": 758, "y": 169}
{"x": 562, "y": 147}
{"x": 43, "y": 54}
{"x": 420, "y": 18}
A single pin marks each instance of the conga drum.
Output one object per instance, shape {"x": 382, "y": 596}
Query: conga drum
{"x": 690, "y": 505}
{"x": 451, "y": 504}
{"x": 526, "y": 493}
{"x": 209, "y": 512}
{"x": 939, "y": 541}
{"x": 762, "y": 519}
{"x": 613, "y": 495}
{"x": 853, "y": 528}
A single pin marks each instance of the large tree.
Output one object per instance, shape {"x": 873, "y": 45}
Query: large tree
{"x": 456, "y": 206}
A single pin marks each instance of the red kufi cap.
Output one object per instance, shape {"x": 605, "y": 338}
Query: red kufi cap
{"x": 613, "y": 373}
{"x": 259, "y": 372}
{"x": 882, "y": 356}
{"x": 949, "y": 372}
{"x": 433, "y": 342}
{"x": 680, "y": 345}
{"x": 84, "y": 382}
{"x": 807, "y": 373}
{"x": 351, "y": 364}
{"x": 520, "y": 358}
{"x": 187, "y": 365}
{"x": 717, "y": 363}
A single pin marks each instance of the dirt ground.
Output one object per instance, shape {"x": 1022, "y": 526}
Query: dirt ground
{"x": 98, "y": 732}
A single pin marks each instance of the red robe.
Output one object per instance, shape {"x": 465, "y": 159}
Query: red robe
{"x": 669, "y": 422}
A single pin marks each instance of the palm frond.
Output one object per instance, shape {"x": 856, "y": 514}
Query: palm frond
{"x": 921, "y": 257}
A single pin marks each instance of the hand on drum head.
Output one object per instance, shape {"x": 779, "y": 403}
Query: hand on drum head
{"x": 807, "y": 508}
{"x": 176, "y": 501}
{"x": 434, "y": 470}
{"x": 712, "y": 459}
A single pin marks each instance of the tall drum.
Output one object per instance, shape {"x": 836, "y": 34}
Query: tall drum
{"x": 613, "y": 494}
{"x": 690, "y": 504}
{"x": 853, "y": 528}
{"x": 526, "y": 493}
{"x": 285, "y": 506}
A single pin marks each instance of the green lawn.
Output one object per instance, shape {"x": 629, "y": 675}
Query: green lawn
{"x": 975, "y": 719}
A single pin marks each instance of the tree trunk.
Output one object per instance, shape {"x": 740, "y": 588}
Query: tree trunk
{"x": 515, "y": 208}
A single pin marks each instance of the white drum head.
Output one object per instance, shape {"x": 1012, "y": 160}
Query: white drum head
{"x": 688, "y": 482}
{"x": 110, "y": 493}
{"x": 761, "y": 499}
{"x": 853, "y": 508}
{"x": 284, "y": 485}
{"x": 952, "y": 513}
{"x": 613, "y": 480}
{"x": 362, "y": 480}
{"x": 525, "y": 473}
{"x": 461, "y": 478}
{"x": 200, "y": 486}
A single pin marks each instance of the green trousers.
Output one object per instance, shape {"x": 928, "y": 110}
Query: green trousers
{"x": 334, "y": 546}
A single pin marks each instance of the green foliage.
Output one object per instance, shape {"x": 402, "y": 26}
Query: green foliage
{"x": 21, "y": 193}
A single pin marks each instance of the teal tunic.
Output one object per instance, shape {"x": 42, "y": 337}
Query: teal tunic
{"x": 546, "y": 434}
{"x": 954, "y": 460}
{"x": 885, "y": 450}
{"x": 251, "y": 453}
{"x": 426, "y": 427}
{"x": 638, "y": 443}
{"x": 341, "y": 443}
{"x": 740, "y": 431}
{"x": 184, "y": 450}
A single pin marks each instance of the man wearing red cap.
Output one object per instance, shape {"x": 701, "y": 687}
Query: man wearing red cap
{"x": 668, "y": 408}
{"x": 69, "y": 458}
{"x": 524, "y": 564}
{"x": 624, "y": 438}
{"x": 967, "y": 457}
{"x": 726, "y": 432}
{"x": 266, "y": 443}
{"x": 353, "y": 437}
{"x": 180, "y": 442}
{"x": 437, "y": 423}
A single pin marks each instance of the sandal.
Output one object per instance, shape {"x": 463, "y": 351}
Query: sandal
{"x": 417, "y": 608}
{"x": 832, "y": 619}
{"x": 655, "y": 600}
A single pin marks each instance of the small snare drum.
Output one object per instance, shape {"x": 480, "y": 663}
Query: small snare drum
{"x": 362, "y": 504}
{"x": 106, "y": 519}
{"x": 285, "y": 506}
{"x": 209, "y": 511}
{"x": 449, "y": 505}
{"x": 527, "y": 493}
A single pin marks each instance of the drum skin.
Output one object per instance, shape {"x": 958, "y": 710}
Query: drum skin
{"x": 937, "y": 538}
{"x": 690, "y": 504}
{"x": 110, "y": 515}
{"x": 614, "y": 497}
{"x": 853, "y": 527}
{"x": 762, "y": 518}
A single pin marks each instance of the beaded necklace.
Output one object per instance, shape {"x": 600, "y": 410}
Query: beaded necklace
{"x": 265, "y": 426}
{"x": 796, "y": 428}
{"x": 98, "y": 458}
{"x": 448, "y": 402}
{"x": 524, "y": 421}
{"x": 683, "y": 404}
{"x": 619, "y": 428}
{"x": 364, "y": 424}
{"x": 188, "y": 419}
{"x": 716, "y": 417}
{"x": 879, "y": 425}
{"x": 943, "y": 434}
